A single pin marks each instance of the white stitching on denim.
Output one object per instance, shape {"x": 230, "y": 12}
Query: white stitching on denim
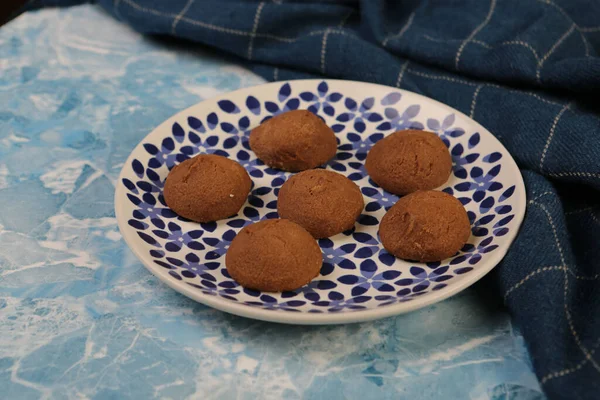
{"x": 180, "y": 15}
{"x": 326, "y": 33}
{"x": 585, "y": 278}
{"x": 147, "y": 10}
{"x": 546, "y": 269}
{"x": 324, "y": 49}
{"x": 440, "y": 77}
{"x": 524, "y": 44}
{"x": 479, "y": 42}
{"x": 585, "y": 43}
{"x": 401, "y": 32}
{"x": 474, "y": 101}
{"x": 581, "y": 277}
{"x": 580, "y": 210}
{"x": 529, "y": 276}
{"x": 255, "y": 28}
{"x": 566, "y": 288}
{"x": 566, "y": 271}
{"x": 568, "y": 371}
{"x": 311, "y": 33}
{"x": 585, "y": 351}
{"x": 276, "y": 74}
{"x": 540, "y": 196}
{"x": 230, "y": 31}
{"x": 551, "y": 135}
{"x": 401, "y": 73}
{"x": 580, "y": 29}
{"x": 213, "y": 27}
{"x": 188, "y": 20}
{"x": 575, "y": 174}
{"x": 475, "y": 32}
{"x": 278, "y": 38}
{"x": 488, "y": 46}
{"x": 543, "y": 207}
{"x": 285, "y": 39}
{"x": 330, "y": 30}
{"x": 554, "y": 231}
{"x": 563, "y": 12}
{"x": 428, "y": 37}
{"x": 527, "y": 93}
{"x": 554, "y": 47}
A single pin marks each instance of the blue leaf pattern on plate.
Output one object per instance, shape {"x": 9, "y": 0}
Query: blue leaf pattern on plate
{"x": 357, "y": 273}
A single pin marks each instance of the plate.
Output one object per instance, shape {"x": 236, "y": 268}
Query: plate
{"x": 359, "y": 280}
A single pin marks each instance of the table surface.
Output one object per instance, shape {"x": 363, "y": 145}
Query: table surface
{"x": 81, "y": 318}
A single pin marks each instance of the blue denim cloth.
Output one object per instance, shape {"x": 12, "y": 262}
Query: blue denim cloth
{"x": 528, "y": 70}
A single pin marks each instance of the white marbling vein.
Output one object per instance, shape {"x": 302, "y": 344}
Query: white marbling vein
{"x": 80, "y": 318}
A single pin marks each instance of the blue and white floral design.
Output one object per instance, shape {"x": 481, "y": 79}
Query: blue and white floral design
{"x": 357, "y": 273}
{"x": 445, "y": 129}
{"x": 321, "y": 100}
{"x": 359, "y": 114}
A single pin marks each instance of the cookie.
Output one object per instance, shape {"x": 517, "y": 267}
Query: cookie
{"x": 207, "y": 188}
{"x": 425, "y": 226}
{"x": 410, "y": 160}
{"x": 324, "y": 203}
{"x": 293, "y": 141}
{"x": 273, "y": 255}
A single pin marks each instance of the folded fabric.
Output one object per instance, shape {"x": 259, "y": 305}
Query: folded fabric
{"x": 528, "y": 70}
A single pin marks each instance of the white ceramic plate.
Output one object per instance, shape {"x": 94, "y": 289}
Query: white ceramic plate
{"x": 359, "y": 280}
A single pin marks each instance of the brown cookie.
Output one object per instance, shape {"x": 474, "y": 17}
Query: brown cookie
{"x": 410, "y": 160}
{"x": 324, "y": 203}
{"x": 425, "y": 226}
{"x": 294, "y": 141}
{"x": 273, "y": 255}
{"x": 207, "y": 188}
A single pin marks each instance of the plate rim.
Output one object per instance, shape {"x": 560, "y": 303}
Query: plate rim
{"x": 326, "y": 318}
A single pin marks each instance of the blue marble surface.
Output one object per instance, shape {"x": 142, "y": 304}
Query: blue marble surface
{"x": 80, "y": 317}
